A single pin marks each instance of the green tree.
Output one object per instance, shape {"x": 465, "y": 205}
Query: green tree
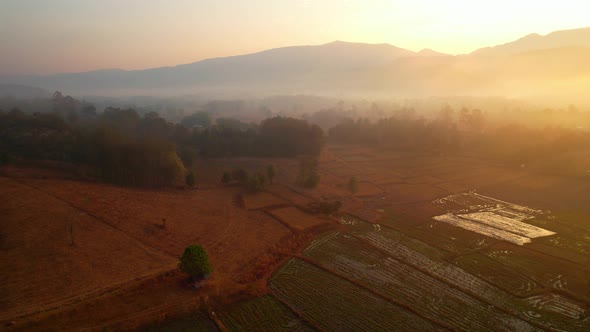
{"x": 190, "y": 179}
{"x": 270, "y": 173}
{"x": 226, "y": 177}
{"x": 353, "y": 185}
{"x": 195, "y": 262}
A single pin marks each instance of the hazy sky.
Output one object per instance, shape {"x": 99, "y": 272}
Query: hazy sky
{"x": 48, "y": 36}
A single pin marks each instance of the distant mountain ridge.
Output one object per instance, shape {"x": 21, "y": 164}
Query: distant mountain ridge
{"x": 22, "y": 91}
{"x": 344, "y": 68}
{"x": 534, "y": 42}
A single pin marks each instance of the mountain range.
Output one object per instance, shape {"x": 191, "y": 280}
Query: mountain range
{"x": 533, "y": 65}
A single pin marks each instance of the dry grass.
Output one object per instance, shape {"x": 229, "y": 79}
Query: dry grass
{"x": 119, "y": 236}
{"x": 41, "y": 269}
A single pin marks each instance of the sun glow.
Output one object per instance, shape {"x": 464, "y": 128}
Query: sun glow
{"x": 132, "y": 34}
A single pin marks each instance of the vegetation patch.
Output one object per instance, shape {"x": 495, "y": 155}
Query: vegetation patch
{"x": 335, "y": 304}
{"x": 498, "y": 274}
{"x": 262, "y": 314}
{"x": 436, "y": 300}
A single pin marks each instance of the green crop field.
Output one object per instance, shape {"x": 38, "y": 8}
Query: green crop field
{"x": 262, "y": 314}
{"x": 335, "y": 304}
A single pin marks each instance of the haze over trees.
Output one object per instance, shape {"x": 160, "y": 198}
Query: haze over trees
{"x": 123, "y": 147}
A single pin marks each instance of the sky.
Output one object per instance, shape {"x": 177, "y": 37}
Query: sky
{"x": 55, "y": 36}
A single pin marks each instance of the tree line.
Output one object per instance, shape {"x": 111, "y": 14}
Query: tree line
{"x": 552, "y": 149}
{"x": 123, "y": 147}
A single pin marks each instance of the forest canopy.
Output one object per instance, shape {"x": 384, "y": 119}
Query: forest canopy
{"x": 123, "y": 147}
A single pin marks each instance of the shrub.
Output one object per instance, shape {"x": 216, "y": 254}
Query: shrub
{"x": 195, "y": 262}
{"x": 190, "y": 179}
{"x": 256, "y": 182}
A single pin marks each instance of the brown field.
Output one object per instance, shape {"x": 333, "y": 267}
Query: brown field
{"x": 126, "y": 241}
{"x": 42, "y": 270}
{"x": 288, "y": 194}
{"x": 261, "y": 200}
{"x": 296, "y": 219}
{"x": 120, "y": 239}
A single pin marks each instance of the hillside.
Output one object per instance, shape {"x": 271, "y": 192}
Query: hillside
{"x": 552, "y": 65}
{"x": 22, "y": 91}
{"x": 534, "y": 42}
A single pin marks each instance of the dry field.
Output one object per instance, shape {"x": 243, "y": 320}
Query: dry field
{"x": 451, "y": 275}
{"x": 388, "y": 266}
{"x": 260, "y": 200}
{"x": 121, "y": 238}
{"x": 296, "y": 219}
{"x": 40, "y": 267}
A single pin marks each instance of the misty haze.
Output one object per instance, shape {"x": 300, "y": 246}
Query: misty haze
{"x": 294, "y": 166}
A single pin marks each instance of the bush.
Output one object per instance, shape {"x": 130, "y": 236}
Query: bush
{"x": 190, "y": 179}
{"x": 195, "y": 262}
{"x": 256, "y": 182}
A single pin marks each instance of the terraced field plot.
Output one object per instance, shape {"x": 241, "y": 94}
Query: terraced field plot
{"x": 435, "y": 262}
{"x": 498, "y": 274}
{"x": 296, "y": 219}
{"x": 262, "y": 314}
{"x": 335, "y": 304}
{"x": 262, "y": 200}
{"x": 197, "y": 322}
{"x": 434, "y": 299}
{"x": 288, "y": 194}
{"x": 548, "y": 271}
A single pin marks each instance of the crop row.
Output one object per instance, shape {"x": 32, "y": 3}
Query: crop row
{"x": 262, "y": 314}
{"x": 435, "y": 299}
{"x": 419, "y": 255}
{"x": 335, "y": 304}
{"x": 498, "y": 274}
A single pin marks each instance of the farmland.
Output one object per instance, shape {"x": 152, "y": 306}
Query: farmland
{"x": 295, "y": 218}
{"x": 525, "y": 272}
{"x": 336, "y": 304}
{"x": 71, "y": 247}
{"x": 262, "y": 314}
{"x": 427, "y": 243}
